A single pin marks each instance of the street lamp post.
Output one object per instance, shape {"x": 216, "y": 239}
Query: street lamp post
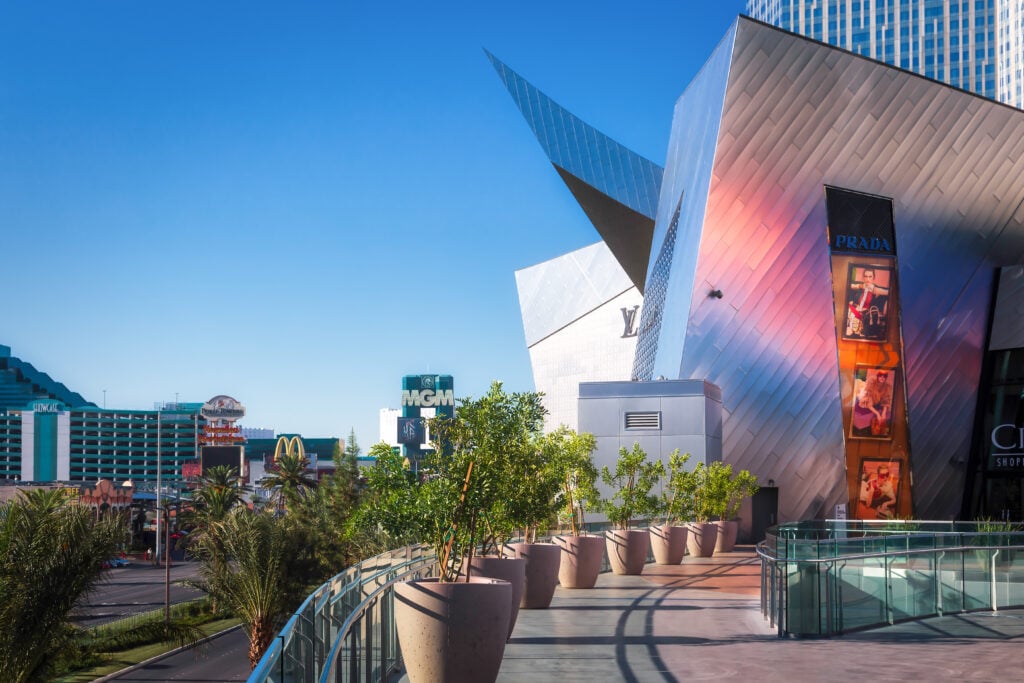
{"x": 159, "y": 466}
{"x": 167, "y": 567}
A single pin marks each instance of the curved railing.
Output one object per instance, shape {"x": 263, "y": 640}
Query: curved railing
{"x": 830, "y": 577}
{"x": 322, "y": 631}
{"x": 345, "y": 630}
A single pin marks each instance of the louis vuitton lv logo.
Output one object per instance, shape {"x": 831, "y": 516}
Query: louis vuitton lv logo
{"x": 629, "y": 321}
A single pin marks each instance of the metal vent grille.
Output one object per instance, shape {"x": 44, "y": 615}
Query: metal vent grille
{"x": 643, "y": 420}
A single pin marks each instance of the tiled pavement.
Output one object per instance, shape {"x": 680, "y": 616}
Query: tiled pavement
{"x": 701, "y": 620}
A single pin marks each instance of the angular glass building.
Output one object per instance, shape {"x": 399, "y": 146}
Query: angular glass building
{"x": 975, "y": 45}
{"x": 581, "y": 298}
{"x": 831, "y": 238}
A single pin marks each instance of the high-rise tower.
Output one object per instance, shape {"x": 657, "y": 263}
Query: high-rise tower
{"x": 976, "y": 45}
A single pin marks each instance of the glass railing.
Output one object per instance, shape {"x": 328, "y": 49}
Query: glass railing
{"x": 344, "y": 630}
{"x": 829, "y": 577}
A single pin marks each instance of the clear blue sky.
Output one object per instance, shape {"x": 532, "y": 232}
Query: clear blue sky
{"x": 298, "y": 203}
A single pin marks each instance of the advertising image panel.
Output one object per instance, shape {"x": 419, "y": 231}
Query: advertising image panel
{"x": 879, "y": 489}
{"x": 867, "y": 303}
{"x": 873, "y": 389}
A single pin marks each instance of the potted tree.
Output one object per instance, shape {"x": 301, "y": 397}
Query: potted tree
{"x": 507, "y": 426}
{"x": 532, "y": 501}
{"x": 740, "y": 486}
{"x": 632, "y": 482}
{"x": 570, "y": 462}
{"x": 454, "y": 627}
{"x": 668, "y": 539}
{"x": 707, "y": 496}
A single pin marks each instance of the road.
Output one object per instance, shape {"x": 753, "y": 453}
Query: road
{"x": 136, "y": 588}
{"x": 224, "y": 658}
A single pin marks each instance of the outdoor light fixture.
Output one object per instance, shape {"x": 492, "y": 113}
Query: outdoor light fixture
{"x": 715, "y": 294}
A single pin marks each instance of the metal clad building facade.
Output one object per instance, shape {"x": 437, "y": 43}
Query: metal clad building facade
{"x": 583, "y": 298}
{"x": 970, "y": 44}
{"x": 742, "y": 286}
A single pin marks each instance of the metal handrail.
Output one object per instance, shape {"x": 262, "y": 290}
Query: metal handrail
{"x": 329, "y": 671}
{"x": 309, "y": 637}
{"x": 760, "y": 549}
{"x": 810, "y": 589}
{"x": 326, "y": 608}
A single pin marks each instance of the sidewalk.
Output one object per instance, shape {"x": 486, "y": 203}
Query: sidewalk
{"x": 701, "y": 620}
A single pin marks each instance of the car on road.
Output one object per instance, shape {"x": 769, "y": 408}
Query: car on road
{"x": 115, "y": 562}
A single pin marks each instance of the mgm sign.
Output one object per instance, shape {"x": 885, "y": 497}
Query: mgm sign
{"x": 423, "y": 396}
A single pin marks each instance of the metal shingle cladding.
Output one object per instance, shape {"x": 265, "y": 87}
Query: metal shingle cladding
{"x": 582, "y": 150}
{"x": 684, "y": 190}
{"x": 1008, "y": 318}
{"x": 558, "y": 292}
{"x": 799, "y": 115}
{"x": 971, "y": 44}
{"x": 654, "y": 305}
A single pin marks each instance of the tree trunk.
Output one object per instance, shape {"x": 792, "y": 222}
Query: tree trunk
{"x": 260, "y": 637}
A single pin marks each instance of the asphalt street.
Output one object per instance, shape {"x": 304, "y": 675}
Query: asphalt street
{"x": 136, "y": 588}
{"x": 224, "y": 658}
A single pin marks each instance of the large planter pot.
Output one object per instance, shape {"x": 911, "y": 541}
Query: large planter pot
{"x": 701, "y": 538}
{"x": 506, "y": 569}
{"x": 542, "y": 562}
{"x": 627, "y": 550}
{"x": 453, "y": 632}
{"x": 727, "y": 531}
{"x": 581, "y": 560}
{"x": 668, "y": 543}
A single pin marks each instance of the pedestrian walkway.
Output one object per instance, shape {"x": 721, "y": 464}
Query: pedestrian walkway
{"x": 701, "y": 620}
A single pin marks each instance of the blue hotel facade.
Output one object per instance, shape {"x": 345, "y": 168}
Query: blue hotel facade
{"x": 49, "y": 433}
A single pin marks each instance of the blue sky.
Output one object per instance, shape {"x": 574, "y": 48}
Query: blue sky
{"x": 298, "y": 203}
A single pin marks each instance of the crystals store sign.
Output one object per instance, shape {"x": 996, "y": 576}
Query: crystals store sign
{"x": 1007, "y": 447}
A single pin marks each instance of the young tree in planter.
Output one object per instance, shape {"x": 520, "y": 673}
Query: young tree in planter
{"x": 568, "y": 460}
{"x": 633, "y": 480}
{"x": 711, "y": 497}
{"x": 463, "y": 484}
{"x": 677, "y": 494}
{"x": 531, "y": 500}
{"x": 743, "y": 485}
{"x": 675, "y": 505}
{"x": 476, "y": 454}
{"x": 736, "y": 488}
{"x": 710, "y": 500}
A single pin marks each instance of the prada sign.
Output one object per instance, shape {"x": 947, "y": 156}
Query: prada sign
{"x": 859, "y": 223}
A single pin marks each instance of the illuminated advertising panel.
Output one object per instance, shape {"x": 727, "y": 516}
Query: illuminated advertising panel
{"x": 865, "y": 289}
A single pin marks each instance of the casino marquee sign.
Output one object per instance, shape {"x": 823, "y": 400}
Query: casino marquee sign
{"x": 222, "y": 409}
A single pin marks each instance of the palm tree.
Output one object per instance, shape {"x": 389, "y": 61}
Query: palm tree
{"x": 221, "y": 477}
{"x": 261, "y": 574}
{"x": 50, "y": 556}
{"x": 219, "y": 490}
{"x": 289, "y": 477}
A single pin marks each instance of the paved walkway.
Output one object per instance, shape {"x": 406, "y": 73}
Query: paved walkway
{"x": 701, "y": 620}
